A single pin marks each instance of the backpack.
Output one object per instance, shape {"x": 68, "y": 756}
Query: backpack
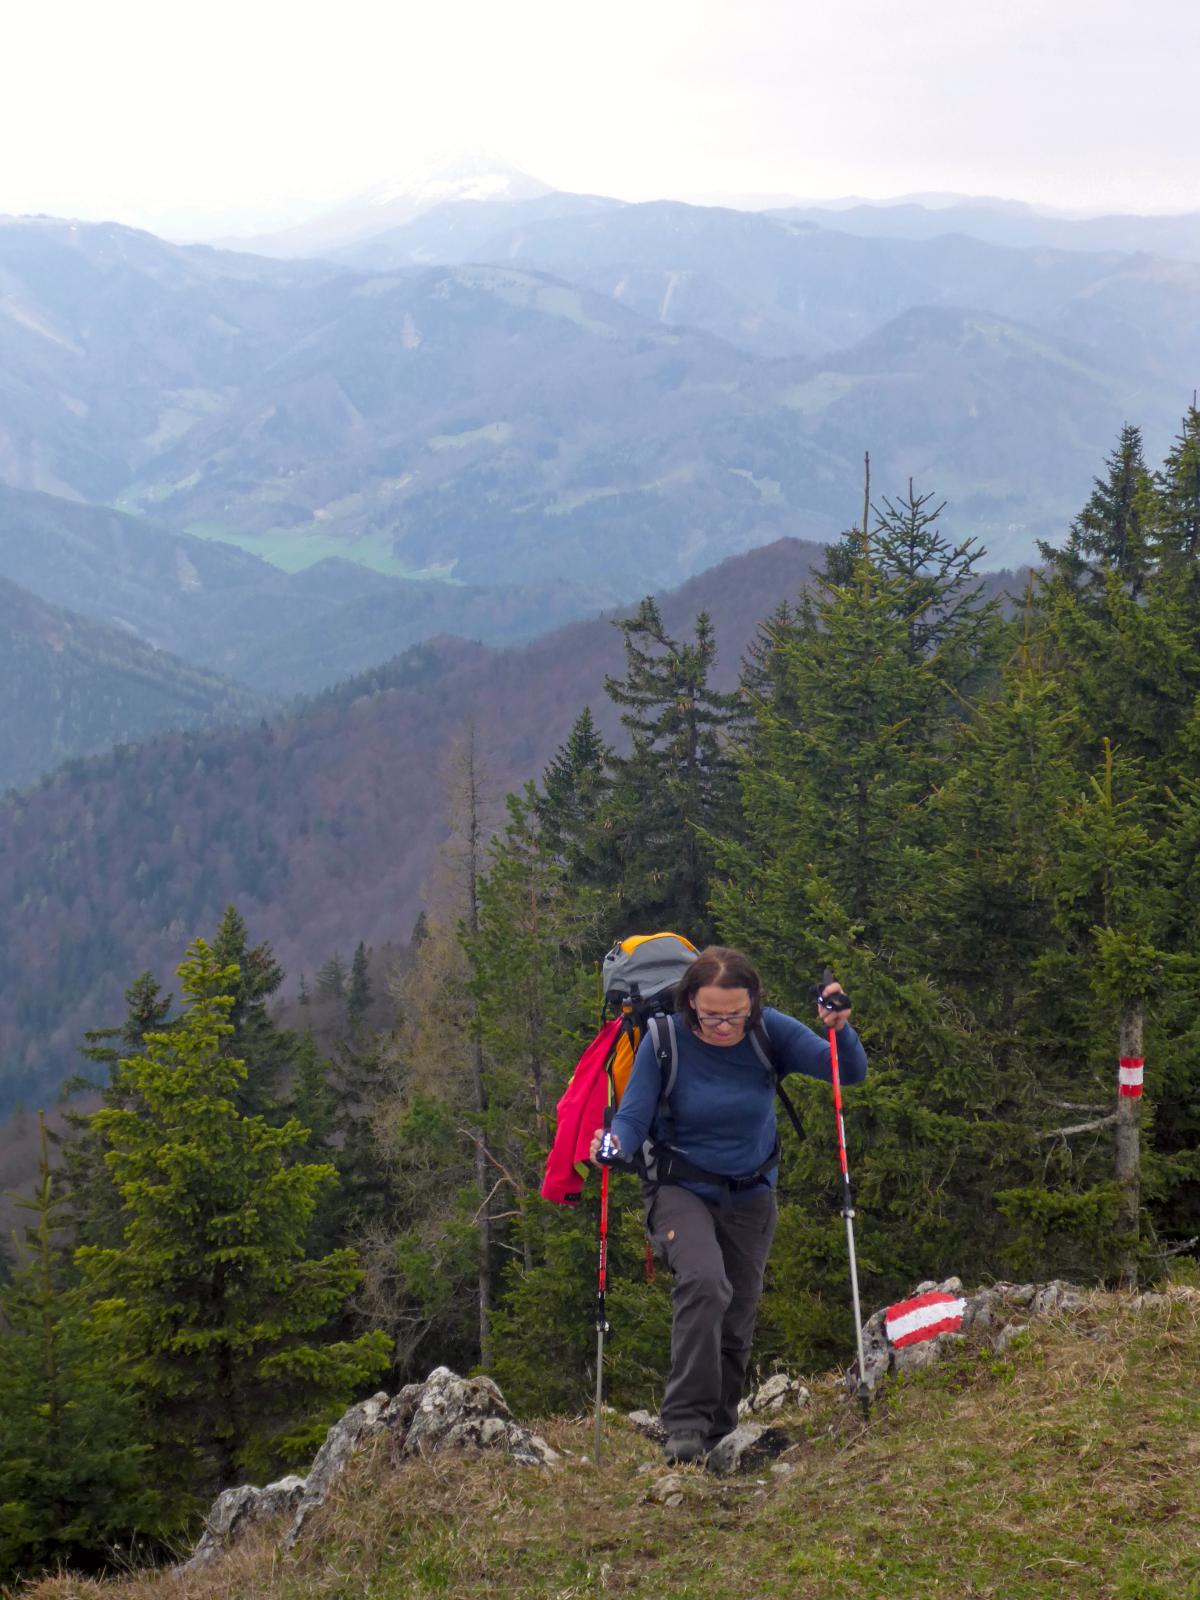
{"x": 640, "y": 975}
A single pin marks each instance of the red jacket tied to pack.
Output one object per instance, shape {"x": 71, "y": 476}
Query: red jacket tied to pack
{"x": 580, "y": 1113}
{"x": 640, "y": 974}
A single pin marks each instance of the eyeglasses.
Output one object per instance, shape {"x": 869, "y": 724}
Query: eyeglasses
{"x": 737, "y": 1020}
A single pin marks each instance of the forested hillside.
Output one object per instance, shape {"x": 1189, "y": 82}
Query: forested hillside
{"x": 69, "y": 687}
{"x": 322, "y": 827}
{"x": 287, "y": 633}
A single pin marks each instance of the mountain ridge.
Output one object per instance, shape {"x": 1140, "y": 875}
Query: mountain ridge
{"x": 226, "y": 610}
{"x": 71, "y": 688}
{"x": 496, "y": 423}
{"x": 320, "y": 826}
{"x": 460, "y": 175}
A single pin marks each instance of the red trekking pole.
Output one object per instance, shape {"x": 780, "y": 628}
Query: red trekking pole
{"x": 601, "y": 1317}
{"x": 864, "y": 1391}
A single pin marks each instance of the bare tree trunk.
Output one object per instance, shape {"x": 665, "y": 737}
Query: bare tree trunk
{"x": 473, "y": 830}
{"x": 1128, "y": 1153}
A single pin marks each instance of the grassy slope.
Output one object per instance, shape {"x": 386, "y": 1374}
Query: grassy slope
{"x": 1067, "y": 1468}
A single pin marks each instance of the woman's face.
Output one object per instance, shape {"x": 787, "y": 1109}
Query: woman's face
{"x": 722, "y": 1014}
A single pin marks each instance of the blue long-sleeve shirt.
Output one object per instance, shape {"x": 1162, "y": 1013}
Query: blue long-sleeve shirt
{"x": 723, "y": 1103}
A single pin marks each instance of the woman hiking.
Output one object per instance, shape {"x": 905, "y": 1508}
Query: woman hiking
{"x": 711, "y": 1212}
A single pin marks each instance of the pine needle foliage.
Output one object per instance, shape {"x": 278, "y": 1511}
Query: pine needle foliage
{"x": 211, "y": 1300}
{"x": 676, "y": 786}
{"x": 75, "y": 1474}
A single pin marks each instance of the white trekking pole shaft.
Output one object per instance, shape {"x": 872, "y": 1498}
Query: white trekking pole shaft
{"x": 864, "y": 1392}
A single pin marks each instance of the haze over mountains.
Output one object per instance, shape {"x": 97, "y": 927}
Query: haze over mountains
{"x": 69, "y": 687}
{"x": 476, "y": 175}
{"x": 289, "y": 633}
{"x": 504, "y": 389}
{"x": 474, "y": 410}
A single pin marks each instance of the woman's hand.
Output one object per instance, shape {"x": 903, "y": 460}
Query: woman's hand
{"x": 594, "y": 1147}
{"x": 830, "y": 1016}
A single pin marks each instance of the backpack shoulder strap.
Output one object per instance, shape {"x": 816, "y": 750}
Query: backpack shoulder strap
{"x": 760, "y": 1041}
{"x": 661, "y": 1028}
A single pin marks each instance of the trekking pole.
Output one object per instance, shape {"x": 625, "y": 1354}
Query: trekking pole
{"x": 601, "y": 1317}
{"x": 864, "y": 1390}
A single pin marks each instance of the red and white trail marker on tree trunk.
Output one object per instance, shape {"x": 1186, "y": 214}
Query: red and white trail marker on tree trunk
{"x": 923, "y": 1317}
{"x": 1130, "y": 1072}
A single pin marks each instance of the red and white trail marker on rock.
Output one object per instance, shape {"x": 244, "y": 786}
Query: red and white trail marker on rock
{"x": 923, "y": 1317}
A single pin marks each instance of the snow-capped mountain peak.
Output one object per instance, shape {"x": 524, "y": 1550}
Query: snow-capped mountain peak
{"x": 455, "y": 175}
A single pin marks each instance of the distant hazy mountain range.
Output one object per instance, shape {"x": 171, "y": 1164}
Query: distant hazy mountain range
{"x": 487, "y": 180}
{"x": 1010, "y": 223}
{"x": 622, "y": 391}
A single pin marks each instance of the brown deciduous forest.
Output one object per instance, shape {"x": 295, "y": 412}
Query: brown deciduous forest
{"x": 322, "y": 826}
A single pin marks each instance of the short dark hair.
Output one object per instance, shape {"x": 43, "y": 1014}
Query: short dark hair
{"x": 721, "y": 969}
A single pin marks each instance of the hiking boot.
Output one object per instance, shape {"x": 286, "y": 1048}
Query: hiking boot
{"x": 684, "y": 1447}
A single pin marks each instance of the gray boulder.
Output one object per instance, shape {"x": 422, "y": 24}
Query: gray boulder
{"x": 344, "y": 1440}
{"x": 776, "y": 1393}
{"x": 667, "y": 1491}
{"x": 456, "y": 1415}
{"x": 750, "y": 1445}
{"x": 236, "y": 1510}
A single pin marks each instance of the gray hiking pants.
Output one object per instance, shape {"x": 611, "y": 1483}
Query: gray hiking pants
{"x": 717, "y": 1256}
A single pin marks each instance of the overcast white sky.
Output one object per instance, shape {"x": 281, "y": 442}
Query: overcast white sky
{"x": 157, "y": 111}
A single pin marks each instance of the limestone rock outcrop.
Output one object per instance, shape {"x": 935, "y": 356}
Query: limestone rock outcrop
{"x": 444, "y": 1415}
{"x": 998, "y": 1312}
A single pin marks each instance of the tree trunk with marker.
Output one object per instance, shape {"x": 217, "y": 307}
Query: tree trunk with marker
{"x": 1128, "y": 1146}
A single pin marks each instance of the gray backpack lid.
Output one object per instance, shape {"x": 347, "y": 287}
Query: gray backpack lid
{"x": 652, "y": 963}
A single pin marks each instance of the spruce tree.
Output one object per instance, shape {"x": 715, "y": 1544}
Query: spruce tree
{"x": 1116, "y": 531}
{"x": 331, "y": 978}
{"x": 940, "y": 597}
{"x": 1179, "y": 492}
{"x": 91, "y": 1204}
{"x": 676, "y": 787}
{"x": 210, "y": 1303}
{"x": 859, "y": 703}
{"x": 1111, "y": 887}
{"x": 990, "y": 909}
{"x": 267, "y": 1051}
{"x": 572, "y": 792}
{"x": 358, "y": 995}
{"x": 75, "y": 1481}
